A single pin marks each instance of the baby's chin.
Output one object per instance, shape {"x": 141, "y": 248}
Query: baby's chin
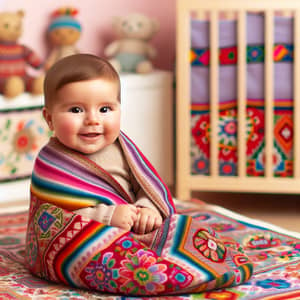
{"x": 86, "y": 150}
{"x": 90, "y": 149}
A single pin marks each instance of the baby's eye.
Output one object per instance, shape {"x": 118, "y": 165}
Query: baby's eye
{"x": 75, "y": 110}
{"x": 105, "y": 109}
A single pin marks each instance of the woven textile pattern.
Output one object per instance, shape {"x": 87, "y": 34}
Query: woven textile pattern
{"x": 182, "y": 255}
{"x": 227, "y": 137}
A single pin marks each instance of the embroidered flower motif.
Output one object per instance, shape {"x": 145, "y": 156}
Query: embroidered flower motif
{"x": 101, "y": 274}
{"x": 23, "y": 133}
{"x": 143, "y": 274}
{"x": 201, "y": 166}
{"x": 273, "y": 283}
{"x": 227, "y": 168}
{"x": 255, "y": 130}
{"x": 287, "y": 255}
{"x": 23, "y": 141}
{"x": 200, "y": 134}
{"x": 45, "y": 221}
{"x": 261, "y": 241}
{"x": 209, "y": 246}
{"x": 255, "y": 53}
{"x": 126, "y": 245}
{"x": 227, "y": 133}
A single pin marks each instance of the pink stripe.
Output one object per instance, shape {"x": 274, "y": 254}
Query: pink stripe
{"x": 56, "y": 175}
{"x": 153, "y": 170}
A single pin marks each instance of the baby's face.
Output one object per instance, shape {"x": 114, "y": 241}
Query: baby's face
{"x": 86, "y": 115}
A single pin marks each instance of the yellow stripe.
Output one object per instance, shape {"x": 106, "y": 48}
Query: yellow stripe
{"x": 66, "y": 202}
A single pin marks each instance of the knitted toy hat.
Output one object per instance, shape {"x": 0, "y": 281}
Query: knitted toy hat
{"x": 64, "y": 17}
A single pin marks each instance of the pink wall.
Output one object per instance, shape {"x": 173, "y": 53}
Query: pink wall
{"x": 95, "y": 17}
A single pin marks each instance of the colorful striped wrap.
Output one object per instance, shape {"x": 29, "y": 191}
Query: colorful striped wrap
{"x": 61, "y": 246}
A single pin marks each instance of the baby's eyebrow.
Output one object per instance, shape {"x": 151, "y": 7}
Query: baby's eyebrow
{"x": 70, "y": 105}
{"x": 113, "y": 104}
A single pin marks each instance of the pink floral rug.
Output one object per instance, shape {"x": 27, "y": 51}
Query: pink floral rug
{"x": 274, "y": 251}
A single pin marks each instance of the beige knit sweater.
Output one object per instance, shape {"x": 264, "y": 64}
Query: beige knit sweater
{"x": 112, "y": 160}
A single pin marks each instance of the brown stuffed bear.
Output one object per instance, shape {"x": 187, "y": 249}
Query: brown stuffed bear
{"x": 14, "y": 58}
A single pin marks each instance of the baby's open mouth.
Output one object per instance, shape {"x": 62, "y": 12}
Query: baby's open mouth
{"x": 92, "y": 134}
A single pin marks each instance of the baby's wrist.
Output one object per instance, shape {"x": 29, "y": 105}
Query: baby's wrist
{"x": 110, "y": 215}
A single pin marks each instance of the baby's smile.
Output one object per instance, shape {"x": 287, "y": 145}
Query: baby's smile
{"x": 92, "y": 134}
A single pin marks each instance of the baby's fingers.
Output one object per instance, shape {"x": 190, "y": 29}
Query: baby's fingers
{"x": 136, "y": 223}
{"x": 158, "y": 222}
{"x": 150, "y": 224}
{"x": 133, "y": 217}
{"x": 143, "y": 222}
{"x": 132, "y": 208}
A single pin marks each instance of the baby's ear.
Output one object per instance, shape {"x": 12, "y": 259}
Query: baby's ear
{"x": 48, "y": 118}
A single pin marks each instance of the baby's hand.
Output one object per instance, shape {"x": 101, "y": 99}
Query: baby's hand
{"x": 124, "y": 216}
{"x": 147, "y": 220}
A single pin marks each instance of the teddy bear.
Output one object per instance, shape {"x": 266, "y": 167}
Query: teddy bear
{"x": 132, "y": 52}
{"x": 15, "y": 58}
{"x": 63, "y": 32}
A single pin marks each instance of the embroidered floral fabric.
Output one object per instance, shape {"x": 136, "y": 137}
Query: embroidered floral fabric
{"x": 227, "y": 135}
{"x": 22, "y": 133}
{"x": 184, "y": 256}
{"x": 228, "y": 123}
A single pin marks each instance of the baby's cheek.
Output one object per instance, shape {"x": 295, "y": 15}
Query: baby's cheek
{"x": 68, "y": 125}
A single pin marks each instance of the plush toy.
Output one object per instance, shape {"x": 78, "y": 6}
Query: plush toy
{"x": 132, "y": 51}
{"x": 63, "y": 33}
{"x": 14, "y": 58}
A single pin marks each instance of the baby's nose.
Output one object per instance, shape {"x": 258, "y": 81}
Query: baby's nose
{"x": 92, "y": 118}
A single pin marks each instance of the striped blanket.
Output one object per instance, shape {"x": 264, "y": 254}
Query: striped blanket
{"x": 182, "y": 256}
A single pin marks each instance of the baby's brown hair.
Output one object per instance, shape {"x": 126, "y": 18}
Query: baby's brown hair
{"x": 74, "y": 68}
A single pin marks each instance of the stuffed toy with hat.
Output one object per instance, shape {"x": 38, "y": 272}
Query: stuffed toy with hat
{"x": 15, "y": 58}
{"x": 132, "y": 52}
{"x": 63, "y": 33}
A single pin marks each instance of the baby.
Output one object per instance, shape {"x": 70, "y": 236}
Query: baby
{"x": 94, "y": 169}
{"x": 83, "y": 109}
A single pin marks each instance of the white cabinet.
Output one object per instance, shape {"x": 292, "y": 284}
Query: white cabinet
{"x": 147, "y": 117}
{"x": 22, "y": 133}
